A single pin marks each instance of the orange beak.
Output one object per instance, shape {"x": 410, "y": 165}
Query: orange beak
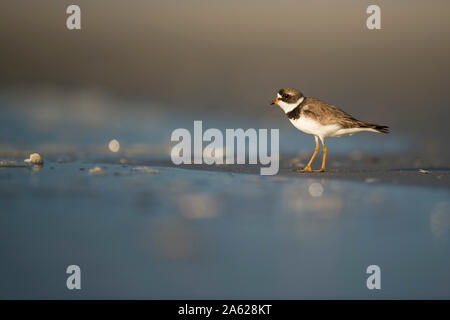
{"x": 275, "y": 101}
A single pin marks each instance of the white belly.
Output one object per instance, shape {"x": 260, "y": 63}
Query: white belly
{"x": 310, "y": 126}
{"x": 350, "y": 131}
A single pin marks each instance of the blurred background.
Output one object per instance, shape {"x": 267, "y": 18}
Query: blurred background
{"x": 139, "y": 69}
{"x": 223, "y": 60}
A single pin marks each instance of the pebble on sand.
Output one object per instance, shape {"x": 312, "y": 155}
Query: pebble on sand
{"x": 96, "y": 171}
{"x": 35, "y": 158}
{"x": 145, "y": 170}
{"x": 124, "y": 161}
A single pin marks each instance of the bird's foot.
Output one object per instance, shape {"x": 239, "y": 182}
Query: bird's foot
{"x": 305, "y": 169}
{"x": 320, "y": 170}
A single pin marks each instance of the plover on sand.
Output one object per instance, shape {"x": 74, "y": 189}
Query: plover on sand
{"x": 320, "y": 119}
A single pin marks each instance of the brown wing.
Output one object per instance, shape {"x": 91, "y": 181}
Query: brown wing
{"x": 326, "y": 114}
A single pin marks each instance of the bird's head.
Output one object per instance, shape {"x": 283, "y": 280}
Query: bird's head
{"x": 288, "y": 99}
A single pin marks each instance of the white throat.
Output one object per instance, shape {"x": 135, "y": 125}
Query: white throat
{"x": 288, "y": 107}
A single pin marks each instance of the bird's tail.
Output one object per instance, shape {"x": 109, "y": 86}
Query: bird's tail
{"x": 375, "y": 127}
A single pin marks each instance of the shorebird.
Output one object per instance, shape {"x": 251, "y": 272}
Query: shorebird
{"x": 320, "y": 119}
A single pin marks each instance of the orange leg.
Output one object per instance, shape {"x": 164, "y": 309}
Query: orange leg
{"x": 322, "y": 169}
{"x": 308, "y": 166}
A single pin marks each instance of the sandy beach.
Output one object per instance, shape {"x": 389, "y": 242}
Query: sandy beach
{"x": 145, "y": 228}
{"x": 389, "y": 169}
{"x": 191, "y": 233}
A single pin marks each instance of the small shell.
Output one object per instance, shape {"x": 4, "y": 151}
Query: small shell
{"x": 35, "y": 158}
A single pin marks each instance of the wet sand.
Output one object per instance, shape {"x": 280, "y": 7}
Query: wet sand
{"x": 140, "y": 227}
{"x": 159, "y": 232}
{"x": 389, "y": 169}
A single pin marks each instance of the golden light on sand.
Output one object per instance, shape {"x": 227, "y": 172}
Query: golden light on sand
{"x": 175, "y": 239}
{"x": 198, "y": 206}
{"x": 96, "y": 171}
{"x": 144, "y": 169}
{"x": 440, "y": 219}
{"x": 315, "y": 189}
{"x": 114, "y": 145}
